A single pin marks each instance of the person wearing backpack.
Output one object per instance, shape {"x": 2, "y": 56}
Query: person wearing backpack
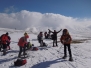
{"x": 4, "y": 40}
{"x": 22, "y": 44}
{"x": 54, "y": 36}
{"x": 66, "y": 41}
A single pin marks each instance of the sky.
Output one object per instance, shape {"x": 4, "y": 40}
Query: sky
{"x": 13, "y": 13}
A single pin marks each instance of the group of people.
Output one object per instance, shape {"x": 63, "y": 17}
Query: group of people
{"x": 65, "y": 39}
{"x": 5, "y": 42}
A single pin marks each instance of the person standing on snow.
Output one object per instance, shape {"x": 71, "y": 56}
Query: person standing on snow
{"x": 54, "y": 36}
{"x": 40, "y": 38}
{"x": 48, "y": 35}
{"x": 45, "y": 34}
{"x": 22, "y": 44}
{"x": 66, "y": 41}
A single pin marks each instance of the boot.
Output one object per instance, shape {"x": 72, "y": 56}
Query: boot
{"x": 4, "y": 52}
{"x": 70, "y": 59}
{"x": 64, "y": 57}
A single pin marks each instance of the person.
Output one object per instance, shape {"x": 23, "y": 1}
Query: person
{"x": 40, "y": 38}
{"x": 66, "y": 41}
{"x": 8, "y": 42}
{"x": 54, "y": 36}
{"x": 4, "y": 40}
{"x": 0, "y": 44}
{"x": 49, "y": 35}
{"x": 45, "y": 34}
{"x": 22, "y": 44}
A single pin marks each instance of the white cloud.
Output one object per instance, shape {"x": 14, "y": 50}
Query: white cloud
{"x": 25, "y": 19}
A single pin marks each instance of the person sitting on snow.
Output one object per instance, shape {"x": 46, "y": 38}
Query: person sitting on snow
{"x": 22, "y": 44}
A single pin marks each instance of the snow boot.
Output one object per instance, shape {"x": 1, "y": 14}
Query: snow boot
{"x": 64, "y": 57}
{"x": 70, "y": 59}
{"x": 4, "y": 52}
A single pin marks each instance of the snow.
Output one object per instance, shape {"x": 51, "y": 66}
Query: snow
{"x": 48, "y": 57}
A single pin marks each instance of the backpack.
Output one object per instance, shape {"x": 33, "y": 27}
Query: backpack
{"x": 20, "y": 62}
{"x": 35, "y": 49}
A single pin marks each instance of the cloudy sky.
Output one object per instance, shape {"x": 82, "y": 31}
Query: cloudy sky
{"x": 22, "y": 14}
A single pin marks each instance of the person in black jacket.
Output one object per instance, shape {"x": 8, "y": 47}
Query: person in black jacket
{"x": 54, "y": 36}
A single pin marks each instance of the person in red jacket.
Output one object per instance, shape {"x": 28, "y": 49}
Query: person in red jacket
{"x": 66, "y": 41}
{"x": 4, "y": 40}
{"x": 22, "y": 44}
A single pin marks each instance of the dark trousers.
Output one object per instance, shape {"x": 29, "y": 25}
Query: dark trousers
{"x": 22, "y": 49}
{"x": 55, "y": 41}
{"x": 1, "y": 46}
{"x": 65, "y": 50}
{"x": 4, "y": 46}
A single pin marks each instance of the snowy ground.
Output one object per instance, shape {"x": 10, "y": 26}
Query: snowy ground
{"x": 48, "y": 57}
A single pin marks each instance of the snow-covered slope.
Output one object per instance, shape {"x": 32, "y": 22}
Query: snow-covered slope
{"x": 49, "y": 57}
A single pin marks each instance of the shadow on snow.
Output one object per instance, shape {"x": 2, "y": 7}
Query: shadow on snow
{"x": 48, "y": 63}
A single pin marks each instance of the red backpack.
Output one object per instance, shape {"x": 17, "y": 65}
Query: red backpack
{"x": 35, "y": 49}
{"x": 20, "y": 62}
